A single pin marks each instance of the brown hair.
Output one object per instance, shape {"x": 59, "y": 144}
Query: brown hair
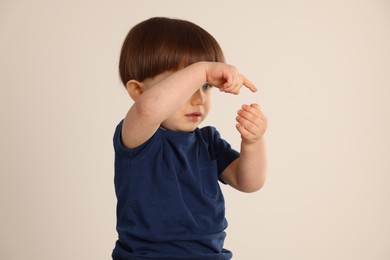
{"x": 162, "y": 44}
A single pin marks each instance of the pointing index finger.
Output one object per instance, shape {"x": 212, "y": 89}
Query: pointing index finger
{"x": 249, "y": 84}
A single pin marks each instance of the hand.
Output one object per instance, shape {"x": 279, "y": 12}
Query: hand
{"x": 227, "y": 78}
{"x": 252, "y": 123}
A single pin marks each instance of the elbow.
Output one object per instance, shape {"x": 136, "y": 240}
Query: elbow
{"x": 251, "y": 187}
{"x": 147, "y": 112}
{"x": 143, "y": 108}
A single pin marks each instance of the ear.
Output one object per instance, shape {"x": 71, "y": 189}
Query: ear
{"x": 134, "y": 88}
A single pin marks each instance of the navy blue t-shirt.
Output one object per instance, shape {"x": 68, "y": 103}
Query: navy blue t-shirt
{"x": 170, "y": 205}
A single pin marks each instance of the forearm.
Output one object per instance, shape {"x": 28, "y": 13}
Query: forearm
{"x": 252, "y": 166}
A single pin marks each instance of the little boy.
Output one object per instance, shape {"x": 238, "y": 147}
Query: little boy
{"x": 170, "y": 205}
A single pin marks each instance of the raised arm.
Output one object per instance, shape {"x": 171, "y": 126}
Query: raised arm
{"x": 158, "y": 98}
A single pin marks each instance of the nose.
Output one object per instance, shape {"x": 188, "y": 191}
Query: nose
{"x": 198, "y": 98}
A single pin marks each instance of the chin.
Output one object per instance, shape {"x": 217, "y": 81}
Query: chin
{"x": 187, "y": 129}
{"x": 178, "y": 129}
{"x": 184, "y": 127}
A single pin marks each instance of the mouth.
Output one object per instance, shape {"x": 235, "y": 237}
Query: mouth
{"x": 194, "y": 117}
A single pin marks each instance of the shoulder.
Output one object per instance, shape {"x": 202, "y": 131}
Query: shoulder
{"x": 211, "y": 134}
{"x": 208, "y": 132}
{"x": 144, "y": 148}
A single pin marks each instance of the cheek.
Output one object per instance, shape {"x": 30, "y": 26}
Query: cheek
{"x": 207, "y": 104}
{"x": 209, "y": 98}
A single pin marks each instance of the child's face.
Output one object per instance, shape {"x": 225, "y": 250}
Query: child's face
{"x": 194, "y": 111}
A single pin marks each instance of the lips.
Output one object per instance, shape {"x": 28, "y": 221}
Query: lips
{"x": 194, "y": 117}
{"x": 194, "y": 114}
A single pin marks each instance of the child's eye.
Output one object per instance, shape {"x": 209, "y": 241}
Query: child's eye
{"x": 206, "y": 87}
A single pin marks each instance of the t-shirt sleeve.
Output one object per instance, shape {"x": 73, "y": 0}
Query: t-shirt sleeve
{"x": 223, "y": 152}
{"x": 141, "y": 150}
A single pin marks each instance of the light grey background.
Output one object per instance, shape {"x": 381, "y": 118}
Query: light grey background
{"x": 323, "y": 70}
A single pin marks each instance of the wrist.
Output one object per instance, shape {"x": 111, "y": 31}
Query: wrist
{"x": 252, "y": 145}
